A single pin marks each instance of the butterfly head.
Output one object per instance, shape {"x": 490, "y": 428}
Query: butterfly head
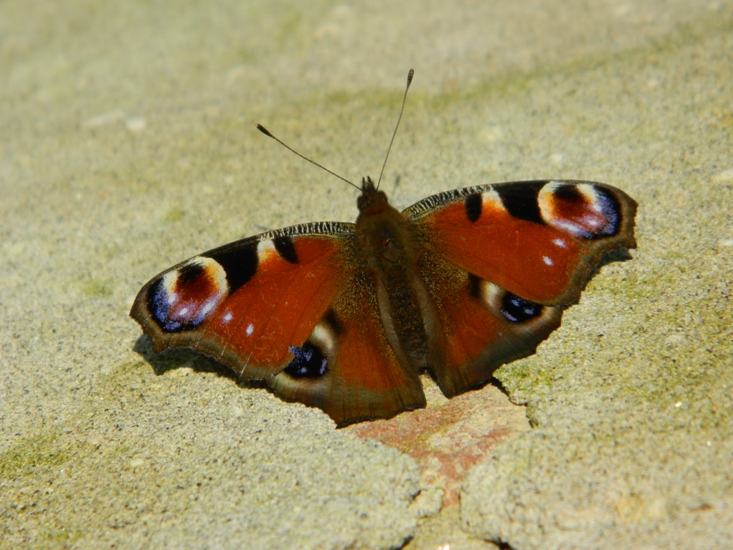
{"x": 371, "y": 199}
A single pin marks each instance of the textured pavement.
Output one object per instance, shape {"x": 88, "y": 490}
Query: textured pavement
{"x": 128, "y": 144}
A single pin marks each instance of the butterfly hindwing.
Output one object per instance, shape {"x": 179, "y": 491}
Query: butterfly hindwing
{"x": 347, "y": 366}
{"x": 483, "y": 326}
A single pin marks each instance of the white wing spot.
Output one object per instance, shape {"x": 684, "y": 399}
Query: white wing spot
{"x": 266, "y": 249}
{"x": 559, "y": 242}
{"x": 211, "y": 304}
{"x": 228, "y": 317}
{"x": 250, "y": 329}
{"x": 183, "y": 312}
{"x": 548, "y": 260}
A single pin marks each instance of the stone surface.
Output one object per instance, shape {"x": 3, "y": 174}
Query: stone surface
{"x": 128, "y": 144}
{"x": 632, "y": 400}
{"x": 210, "y": 464}
{"x": 448, "y": 437}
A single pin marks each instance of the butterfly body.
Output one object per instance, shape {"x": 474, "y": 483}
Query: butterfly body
{"x": 389, "y": 252}
{"x": 344, "y": 317}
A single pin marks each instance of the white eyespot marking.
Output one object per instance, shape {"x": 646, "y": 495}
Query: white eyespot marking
{"x": 548, "y": 260}
{"x": 516, "y": 314}
{"x": 250, "y": 329}
{"x": 266, "y": 250}
{"x": 579, "y": 209}
{"x": 213, "y": 271}
{"x": 183, "y": 312}
{"x": 228, "y": 317}
{"x": 560, "y": 243}
{"x": 591, "y": 195}
{"x": 169, "y": 287}
{"x": 324, "y": 338}
{"x": 311, "y": 359}
{"x": 547, "y": 202}
{"x": 545, "y": 199}
{"x": 490, "y": 294}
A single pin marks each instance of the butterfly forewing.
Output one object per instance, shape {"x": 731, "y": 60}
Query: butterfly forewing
{"x": 247, "y": 303}
{"x": 539, "y": 240}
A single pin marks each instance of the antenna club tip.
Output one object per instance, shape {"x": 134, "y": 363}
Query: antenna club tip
{"x": 262, "y": 129}
{"x": 410, "y": 74}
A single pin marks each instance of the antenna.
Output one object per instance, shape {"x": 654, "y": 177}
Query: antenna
{"x": 410, "y": 74}
{"x": 268, "y": 134}
{"x": 265, "y": 131}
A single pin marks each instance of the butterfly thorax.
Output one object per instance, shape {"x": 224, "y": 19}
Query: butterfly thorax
{"x": 384, "y": 237}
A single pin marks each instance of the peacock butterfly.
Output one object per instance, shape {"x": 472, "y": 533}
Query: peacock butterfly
{"x": 345, "y": 316}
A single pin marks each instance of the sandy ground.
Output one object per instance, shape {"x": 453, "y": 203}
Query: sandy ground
{"x": 128, "y": 144}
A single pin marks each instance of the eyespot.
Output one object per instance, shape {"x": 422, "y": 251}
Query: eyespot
{"x": 184, "y": 298}
{"x": 308, "y": 362}
{"x": 519, "y": 310}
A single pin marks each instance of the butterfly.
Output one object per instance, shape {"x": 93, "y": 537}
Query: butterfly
{"x": 346, "y": 316}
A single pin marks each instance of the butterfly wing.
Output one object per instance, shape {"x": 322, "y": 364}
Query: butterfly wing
{"x": 503, "y": 261}
{"x": 288, "y": 306}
